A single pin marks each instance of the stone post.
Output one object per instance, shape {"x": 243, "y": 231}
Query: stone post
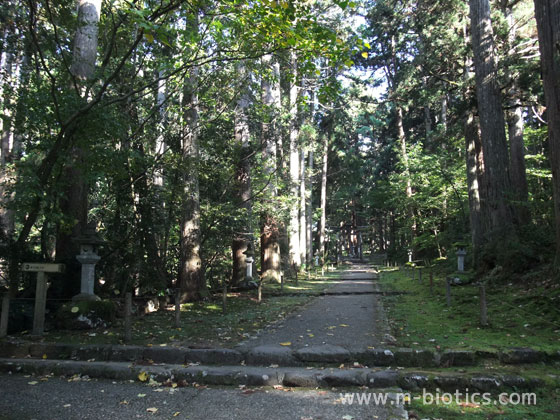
{"x": 128, "y": 317}
{"x": 360, "y": 244}
{"x": 88, "y": 257}
{"x": 483, "y": 307}
{"x": 177, "y": 308}
{"x": 88, "y": 261}
{"x": 4, "y": 315}
{"x": 461, "y": 253}
{"x": 40, "y": 305}
{"x": 249, "y": 274}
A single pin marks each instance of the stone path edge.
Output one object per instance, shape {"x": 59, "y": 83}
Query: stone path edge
{"x": 273, "y": 354}
{"x": 260, "y": 376}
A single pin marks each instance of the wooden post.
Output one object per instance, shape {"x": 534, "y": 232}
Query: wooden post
{"x": 413, "y": 272}
{"x": 448, "y": 292}
{"x": 177, "y": 308}
{"x": 483, "y": 308}
{"x": 40, "y": 305}
{"x": 259, "y": 292}
{"x": 420, "y": 276}
{"x": 4, "y": 315}
{"x": 224, "y": 298}
{"x": 282, "y": 279}
{"x": 431, "y": 282}
{"x": 128, "y": 317}
{"x": 282, "y": 283}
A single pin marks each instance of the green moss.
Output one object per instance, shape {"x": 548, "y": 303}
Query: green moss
{"x": 104, "y": 309}
{"x": 546, "y": 408}
{"x": 520, "y": 315}
{"x": 67, "y": 314}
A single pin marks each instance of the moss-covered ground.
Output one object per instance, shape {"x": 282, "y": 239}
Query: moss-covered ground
{"x": 521, "y": 312}
{"x": 205, "y": 324}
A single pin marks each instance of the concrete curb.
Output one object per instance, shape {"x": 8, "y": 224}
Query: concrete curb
{"x": 274, "y": 355}
{"x": 261, "y": 376}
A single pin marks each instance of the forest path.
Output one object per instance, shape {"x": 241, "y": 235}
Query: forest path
{"x": 353, "y": 321}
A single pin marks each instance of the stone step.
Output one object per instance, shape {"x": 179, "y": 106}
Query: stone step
{"x": 270, "y": 376}
{"x": 265, "y": 355}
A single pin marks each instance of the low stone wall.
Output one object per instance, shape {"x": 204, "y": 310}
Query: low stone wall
{"x": 323, "y": 355}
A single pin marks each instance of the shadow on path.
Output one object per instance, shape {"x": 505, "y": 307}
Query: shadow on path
{"x": 354, "y": 322}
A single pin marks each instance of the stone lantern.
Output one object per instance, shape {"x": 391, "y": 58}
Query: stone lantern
{"x": 249, "y": 253}
{"x": 461, "y": 253}
{"x": 88, "y": 257}
{"x": 410, "y": 255}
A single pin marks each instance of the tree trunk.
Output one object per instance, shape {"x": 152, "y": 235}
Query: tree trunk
{"x": 473, "y": 154}
{"x": 404, "y": 157}
{"x": 309, "y": 208}
{"x": 515, "y": 125}
{"x": 270, "y": 231}
{"x": 492, "y": 125}
{"x": 302, "y": 202}
{"x": 474, "y": 161}
{"x": 293, "y": 226}
{"x": 323, "y": 222}
{"x": 444, "y": 112}
{"x": 153, "y": 271}
{"x": 427, "y": 113}
{"x": 160, "y": 145}
{"x": 10, "y": 70}
{"x": 517, "y": 162}
{"x": 547, "y": 13}
{"x": 243, "y": 237}
{"x": 191, "y": 274}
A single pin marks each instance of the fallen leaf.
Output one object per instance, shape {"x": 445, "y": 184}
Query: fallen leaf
{"x": 32, "y": 383}
{"x": 286, "y": 343}
{"x": 344, "y": 325}
{"x": 67, "y": 405}
{"x": 141, "y": 395}
{"x": 74, "y": 309}
{"x": 176, "y": 413}
{"x": 124, "y": 402}
{"x": 151, "y": 410}
{"x": 44, "y": 356}
{"x": 143, "y": 376}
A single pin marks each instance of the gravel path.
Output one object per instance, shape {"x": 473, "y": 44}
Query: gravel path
{"x": 354, "y": 322}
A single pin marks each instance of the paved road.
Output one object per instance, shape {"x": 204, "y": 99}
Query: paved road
{"x": 350, "y": 321}
{"x": 57, "y": 398}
